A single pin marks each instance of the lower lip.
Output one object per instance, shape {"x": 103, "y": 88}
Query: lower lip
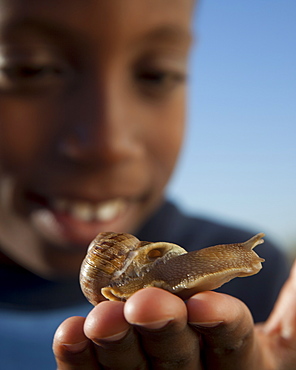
{"x": 64, "y": 230}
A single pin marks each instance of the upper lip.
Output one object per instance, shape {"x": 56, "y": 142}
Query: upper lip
{"x": 93, "y": 191}
{"x": 45, "y": 198}
{"x": 93, "y": 188}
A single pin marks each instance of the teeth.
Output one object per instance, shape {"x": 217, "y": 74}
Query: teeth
{"x": 108, "y": 210}
{"x": 84, "y": 211}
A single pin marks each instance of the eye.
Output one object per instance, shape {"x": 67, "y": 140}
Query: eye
{"x": 158, "y": 81}
{"x": 160, "y": 77}
{"x": 32, "y": 70}
{"x": 26, "y": 72}
{"x": 32, "y": 77}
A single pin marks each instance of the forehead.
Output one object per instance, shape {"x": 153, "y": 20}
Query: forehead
{"x": 98, "y": 18}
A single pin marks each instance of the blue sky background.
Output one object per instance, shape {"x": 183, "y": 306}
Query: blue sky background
{"x": 239, "y": 159}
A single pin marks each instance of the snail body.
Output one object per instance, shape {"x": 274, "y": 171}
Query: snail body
{"x": 117, "y": 265}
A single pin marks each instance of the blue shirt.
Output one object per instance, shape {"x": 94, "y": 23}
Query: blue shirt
{"x": 26, "y": 336}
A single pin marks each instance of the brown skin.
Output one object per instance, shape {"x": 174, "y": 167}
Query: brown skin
{"x": 96, "y": 112}
{"x": 104, "y": 119}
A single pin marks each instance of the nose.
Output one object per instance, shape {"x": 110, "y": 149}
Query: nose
{"x": 102, "y": 127}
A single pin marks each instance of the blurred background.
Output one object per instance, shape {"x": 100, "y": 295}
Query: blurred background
{"x": 239, "y": 159}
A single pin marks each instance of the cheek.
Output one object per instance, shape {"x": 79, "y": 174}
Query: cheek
{"x": 24, "y": 134}
{"x": 167, "y": 138}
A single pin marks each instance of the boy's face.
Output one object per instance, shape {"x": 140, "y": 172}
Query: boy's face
{"x": 92, "y": 100}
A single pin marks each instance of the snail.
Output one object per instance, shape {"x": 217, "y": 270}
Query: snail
{"x": 118, "y": 264}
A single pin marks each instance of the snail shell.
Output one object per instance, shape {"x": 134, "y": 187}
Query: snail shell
{"x": 117, "y": 265}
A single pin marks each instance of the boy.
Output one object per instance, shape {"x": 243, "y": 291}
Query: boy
{"x": 92, "y": 117}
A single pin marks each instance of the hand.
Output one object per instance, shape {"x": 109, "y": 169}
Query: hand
{"x": 151, "y": 330}
{"x": 278, "y": 335}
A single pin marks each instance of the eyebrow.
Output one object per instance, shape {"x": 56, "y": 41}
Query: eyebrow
{"x": 55, "y": 31}
{"x": 51, "y": 30}
{"x": 171, "y": 33}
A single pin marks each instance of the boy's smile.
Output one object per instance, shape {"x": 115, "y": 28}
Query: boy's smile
{"x": 92, "y": 105}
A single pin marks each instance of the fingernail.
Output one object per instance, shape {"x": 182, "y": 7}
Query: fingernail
{"x": 76, "y": 347}
{"x": 287, "y": 332}
{"x": 154, "y": 324}
{"x": 209, "y": 324}
{"x": 114, "y": 337}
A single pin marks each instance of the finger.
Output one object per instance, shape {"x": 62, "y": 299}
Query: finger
{"x": 278, "y": 334}
{"x": 117, "y": 343}
{"x": 72, "y": 349}
{"x": 161, "y": 320}
{"x": 282, "y": 320}
{"x": 227, "y": 331}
